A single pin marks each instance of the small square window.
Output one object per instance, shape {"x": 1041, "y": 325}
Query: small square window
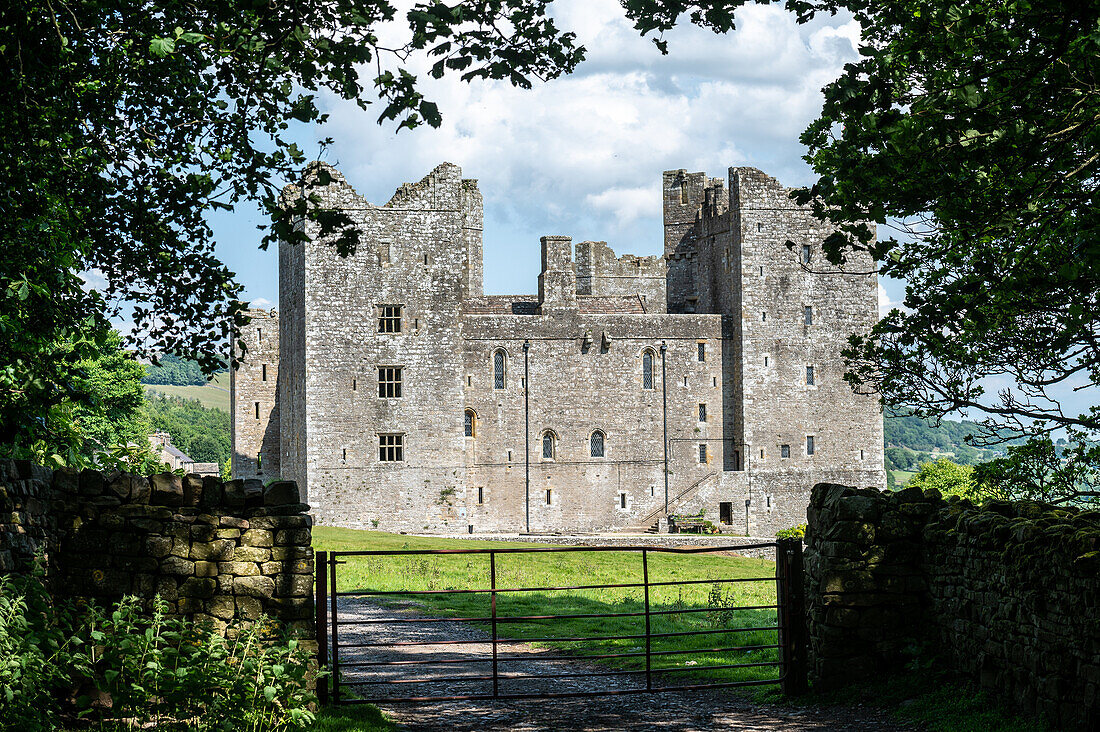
{"x": 808, "y": 314}
{"x": 389, "y": 381}
{"x": 702, "y": 351}
{"x": 784, "y": 451}
{"x": 702, "y": 412}
{"x": 702, "y": 453}
{"x": 809, "y": 444}
{"x": 389, "y": 318}
{"x": 809, "y": 376}
{"x": 391, "y": 448}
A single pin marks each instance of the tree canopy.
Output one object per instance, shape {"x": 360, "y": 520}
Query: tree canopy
{"x": 127, "y": 121}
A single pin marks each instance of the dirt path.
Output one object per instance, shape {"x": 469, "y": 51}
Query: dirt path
{"x": 691, "y": 711}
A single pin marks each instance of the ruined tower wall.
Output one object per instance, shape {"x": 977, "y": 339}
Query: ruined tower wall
{"x": 777, "y": 344}
{"x": 292, "y": 372}
{"x": 411, "y": 254}
{"x": 254, "y": 405}
{"x": 600, "y": 272}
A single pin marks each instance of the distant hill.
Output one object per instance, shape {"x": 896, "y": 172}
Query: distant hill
{"x": 911, "y": 441}
{"x": 174, "y": 371}
{"x": 213, "y": 395}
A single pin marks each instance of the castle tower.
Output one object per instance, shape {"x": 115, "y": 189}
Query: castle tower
{"x": 254, "y": 406}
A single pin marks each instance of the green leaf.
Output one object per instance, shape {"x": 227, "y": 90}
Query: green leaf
{"x": 162, "y": 46}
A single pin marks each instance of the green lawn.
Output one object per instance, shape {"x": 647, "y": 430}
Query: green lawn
{"x": 902, "y": 476}
{"x": 213, "y": 395}
{"x": 716, "y": 600}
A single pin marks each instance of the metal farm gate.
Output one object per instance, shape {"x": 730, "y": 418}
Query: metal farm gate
{"x": 365, "y": 635}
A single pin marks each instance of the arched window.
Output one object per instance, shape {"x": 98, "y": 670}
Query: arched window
{"x": 647, "y": 369}
{"x": 470, "y": 423}
{"x": 596, "y": 444}
{"x": 549, "y": 445}
{"x": 500, "y": 363}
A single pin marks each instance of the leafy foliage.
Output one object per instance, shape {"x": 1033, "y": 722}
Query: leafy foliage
{"x": 128, "y": 121}
{"x": 200, "y": 432}
{"x": 972, "y": 129}
{"x": 950, "y": 479}
{"x": 156, "y": 670}
{"x": 1038, "y": 470}
{"x": 174, "y": 371}
{"x": 795, "y": 532}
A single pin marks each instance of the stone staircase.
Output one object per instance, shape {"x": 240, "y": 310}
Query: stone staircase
{"x": 644, "y": 526}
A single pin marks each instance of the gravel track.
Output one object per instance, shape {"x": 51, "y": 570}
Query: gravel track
{"x": 688, "y": 711}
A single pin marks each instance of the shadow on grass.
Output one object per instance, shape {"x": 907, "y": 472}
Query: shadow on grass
{"x": 358, "y": 718}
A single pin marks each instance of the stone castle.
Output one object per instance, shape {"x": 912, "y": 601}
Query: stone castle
{"x": 400, "y": 397}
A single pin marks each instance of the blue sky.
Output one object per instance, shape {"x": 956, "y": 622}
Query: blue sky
{"x": 583, "y": 155}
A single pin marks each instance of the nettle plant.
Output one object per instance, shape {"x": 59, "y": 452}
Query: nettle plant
{"x": 67, "y": 661}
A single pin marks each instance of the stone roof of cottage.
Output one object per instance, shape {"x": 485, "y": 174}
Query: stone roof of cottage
{"x": 528, "y": 304}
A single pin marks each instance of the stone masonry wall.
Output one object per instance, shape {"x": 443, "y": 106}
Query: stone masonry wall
{"x": 1006, "y": 594}
{"x": 211, "y": 550}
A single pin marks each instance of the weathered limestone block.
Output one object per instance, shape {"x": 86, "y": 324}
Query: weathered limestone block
{"x": 294, "y": 585}
{"x": 221, "y": 606}
{"x": 119, "y": 486}
{"x": 203, "y": 587}
{"x": 258, "y": 586}
{"x": 248, "y": 608}
{"x": 167, "y": 489}
{"x": 259, "y": 538}
{"x": 206, "y": 569}
{"x": 192, "y": 489}
{"x": 173, "y": 565}
{"x": 239, "y": 569}
{"x": 215, "y": 550}
{"x": 301, "y": 537}
{"x": 249, "y": 554}
{"x": 233, "y": 494}
{"x": 141, "y": 490}
{"x": 213, "y": 492}
{"x": 281, "y": 493}
{"x": 92, "y": 483}
{"x": 253, "y": 493}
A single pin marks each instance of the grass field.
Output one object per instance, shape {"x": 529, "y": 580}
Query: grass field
{"x": 902, "y": 476}
{"x": 213, "y": 395}
{"x": 714, "y": 600}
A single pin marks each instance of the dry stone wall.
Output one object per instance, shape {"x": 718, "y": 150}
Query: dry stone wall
{"x": 1006, "y": 594}
{"x": 211, "y": 550}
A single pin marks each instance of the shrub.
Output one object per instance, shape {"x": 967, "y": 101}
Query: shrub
{"x": 795, "y": 532}
{"x": 146, "y": 667}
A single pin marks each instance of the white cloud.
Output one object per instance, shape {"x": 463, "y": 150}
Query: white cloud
{"x": 261, "y": 303}
{"x": 885, "y": 304}
{"x": 583, "y": 155}
{"x": 93, "y": 280}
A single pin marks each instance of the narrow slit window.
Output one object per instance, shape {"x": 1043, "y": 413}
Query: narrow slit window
{"x": 622, "y": 500}
{"x": 702, "y": 412}
{"x": 809, "y": 375}
{"x": 389, "y": 319}
{"x": 391, "y": 448}
{"x": 354, "y": 384}
{"x": 761, "y": 270}
{"x": 256, "y": 407}
{"x": 702, "y": 453}
{"x": 344, "y": 455}
{"x": 549, "y": 497}
{"x": 259, "y": 336}
{"x": 259, "y": 462}
{"x": 702, "y": 351}
{"x": 389, "y": 381}
{"x": 809, "y": 444}
{"x": 470, "y": 422}
{"x": 480, "y": 494}
{"x": 784, "y": 451}
{"x": 425, "y": 259}
{"x": 761, "y": 453}
{"x": 596, "y": 444}
{"x": 500, "y": 365}
{"x": 683, "y": 192}
{"x": 647, "y": 370}
{"x": 769, "y": 501}
{"x": 861, "y": 454}
{"x": 808, "y": 314}
{"x": 763, "y": 317}
{"x": 806, "y": 252}
{"x": 759, "y": 226}
{"x": 714, "y": 381}
{"x": 685, "y": 380}
{"x": 263, "y": 372}
{"x": 765, "y": 361}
